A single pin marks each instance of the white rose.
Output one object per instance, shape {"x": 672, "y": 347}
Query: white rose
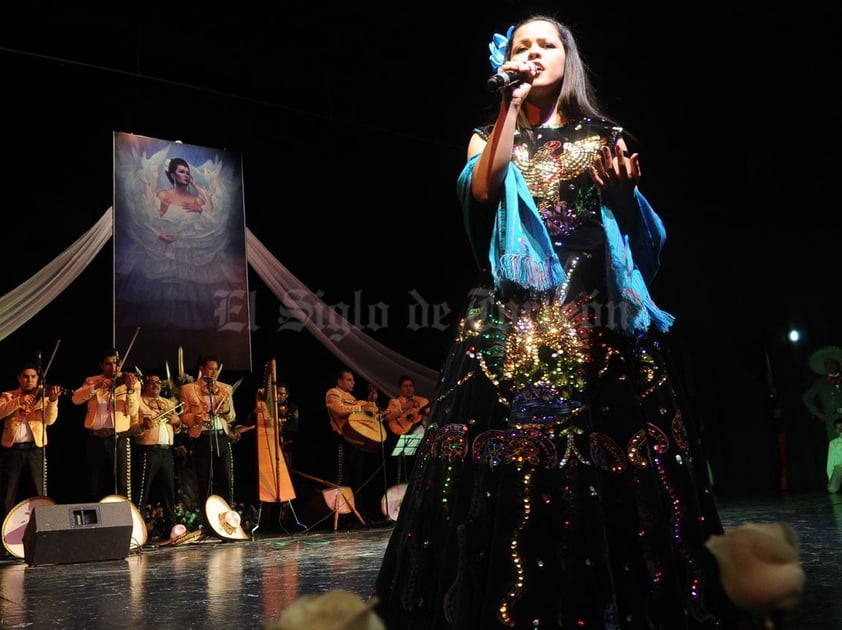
{"x": 759, "y": 566}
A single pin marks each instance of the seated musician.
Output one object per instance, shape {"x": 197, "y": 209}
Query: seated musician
{"x": 406, "y": 414}
{"x": 357, "y": 452}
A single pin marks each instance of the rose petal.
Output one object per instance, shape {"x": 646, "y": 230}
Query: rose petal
{"x": 759, "y": 566}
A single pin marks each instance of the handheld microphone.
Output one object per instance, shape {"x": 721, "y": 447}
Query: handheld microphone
{"x": 505, "y": 79}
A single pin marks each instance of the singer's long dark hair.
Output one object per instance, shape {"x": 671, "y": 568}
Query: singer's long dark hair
{"x": 577, "y": 98}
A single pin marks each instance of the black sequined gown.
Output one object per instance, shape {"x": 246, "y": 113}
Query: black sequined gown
{"x": 558, "y": 485}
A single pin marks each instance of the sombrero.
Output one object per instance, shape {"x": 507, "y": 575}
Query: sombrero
{"x": 334, "y": 610}
{"x": 16, "y": 521}
{"x": 179, "y": 535}
{"x": 139, "y": 531}
{"x": 818, "y": 358}
{"x": 224, "y": 521}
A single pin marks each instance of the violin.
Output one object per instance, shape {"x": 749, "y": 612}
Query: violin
{"x": 283, "y": 411}
{"x": 37, "y": 393}
{"x": 62, "y": 390}
{"x": 122, "y": 378}
{"x": 129, "y": 379}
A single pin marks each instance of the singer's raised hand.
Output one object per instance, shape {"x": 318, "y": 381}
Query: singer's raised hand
{"x": 506, "y": 78}
{"x": 618, "y": 168}
{"x": 617, "y": 174}
{"x": 516, "y": 77}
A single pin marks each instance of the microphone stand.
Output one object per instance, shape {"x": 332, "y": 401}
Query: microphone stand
{"x": 42, "y": 383}
{"x": 120, "y": 363}
{"x": 372, "y": 397}
{"x": 209, "y": 383}
{"x": 42, "y": 389}
{"x": 113, "y": 405}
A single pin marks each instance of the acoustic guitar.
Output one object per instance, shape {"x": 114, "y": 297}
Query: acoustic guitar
{"x": 365, "y": 430}
{"x": 404, "y": 423}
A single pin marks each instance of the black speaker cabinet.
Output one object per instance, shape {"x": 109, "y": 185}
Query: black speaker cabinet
{"x": 78, "y": 532}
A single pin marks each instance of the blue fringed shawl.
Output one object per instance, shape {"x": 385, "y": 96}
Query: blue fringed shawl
{"x": 522, "y": 253}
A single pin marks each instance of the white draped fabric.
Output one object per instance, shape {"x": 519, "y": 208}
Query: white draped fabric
{"x": 368, "y": 358}
{"x": 24, "y": 302}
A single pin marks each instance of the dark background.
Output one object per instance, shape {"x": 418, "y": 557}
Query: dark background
{"x": 353, "y": 124}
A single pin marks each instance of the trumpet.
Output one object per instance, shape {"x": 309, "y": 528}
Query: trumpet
{"x": 161, "y": 418}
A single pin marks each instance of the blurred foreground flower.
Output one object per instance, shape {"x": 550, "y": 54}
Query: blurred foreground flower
{"x": 760, "y": 566}
{"x": 334, "y": 610}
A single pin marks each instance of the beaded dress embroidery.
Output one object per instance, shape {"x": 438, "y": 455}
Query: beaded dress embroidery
{"x": 558, "y": 485}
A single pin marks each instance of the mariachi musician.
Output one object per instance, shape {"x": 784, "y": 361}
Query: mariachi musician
{"x": 112, "y": 399}
{"x": 160, "y": 422}
{"x": 25, "y": 416}
{"x": 271, "y": 419}
{"x": 287, "y": 416}
{"x": 406, "y": 414}
{"x": 287, "y": 413}
{"x": 359, "y": 432}
{"x": 208, "y": 415}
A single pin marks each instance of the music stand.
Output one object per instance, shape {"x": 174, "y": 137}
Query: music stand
{"x": 407, "y": 444}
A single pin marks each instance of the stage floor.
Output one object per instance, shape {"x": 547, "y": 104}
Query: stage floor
{"x": 217, "y": 584}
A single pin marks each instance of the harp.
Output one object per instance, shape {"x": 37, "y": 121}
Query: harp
{"x": 274, "y": 484}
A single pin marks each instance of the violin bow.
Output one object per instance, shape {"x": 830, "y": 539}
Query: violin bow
{"x": 49, "y": 363}
{"x": 129, "y": 349}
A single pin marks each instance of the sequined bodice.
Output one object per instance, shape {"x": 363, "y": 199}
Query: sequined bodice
{"x": 554, "y": 162}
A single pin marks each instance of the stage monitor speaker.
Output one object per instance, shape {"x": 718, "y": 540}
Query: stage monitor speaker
{"x": 78, "y": 532}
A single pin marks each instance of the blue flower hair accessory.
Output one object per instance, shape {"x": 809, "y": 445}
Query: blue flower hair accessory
{"x": 498, "y": 46}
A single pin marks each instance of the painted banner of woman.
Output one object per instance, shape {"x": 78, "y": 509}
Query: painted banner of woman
{"x": 180, "y": 272}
